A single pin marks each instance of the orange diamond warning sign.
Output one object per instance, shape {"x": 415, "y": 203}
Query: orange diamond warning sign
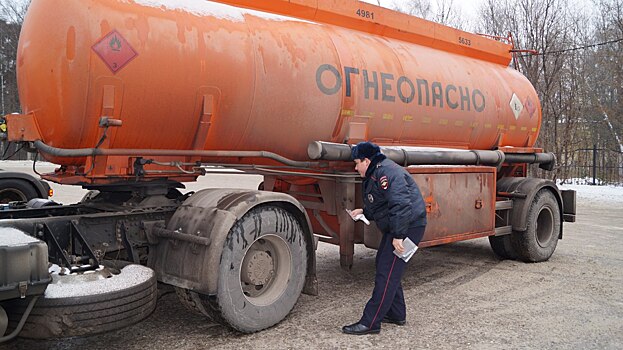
{"x": 115, "y": 51}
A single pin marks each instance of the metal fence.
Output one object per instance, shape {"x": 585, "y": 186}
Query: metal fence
{"x": 592, "y": 166}
{"x": 14, "y": 151}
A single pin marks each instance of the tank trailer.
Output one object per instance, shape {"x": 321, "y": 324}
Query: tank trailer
{"x": 131, "y": 98}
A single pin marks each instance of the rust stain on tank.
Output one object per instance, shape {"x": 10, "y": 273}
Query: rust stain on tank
{"x": 104, "y": 27}
{"x": 71, "y": 43}
{"x": 181, "y": 32}
{"x": 297, "y": 54}
{"x": 139, "y": 24}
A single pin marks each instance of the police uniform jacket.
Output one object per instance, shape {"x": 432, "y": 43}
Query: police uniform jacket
{"x": 391, "y": 198}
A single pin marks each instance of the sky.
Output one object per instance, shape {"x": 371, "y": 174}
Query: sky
{"x": 467, "y": 7}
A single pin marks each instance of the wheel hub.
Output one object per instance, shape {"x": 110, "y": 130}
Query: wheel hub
{"x": 265, "y": 270}
{"x": 11, "y": 195}
{"x": 258, "y": 268}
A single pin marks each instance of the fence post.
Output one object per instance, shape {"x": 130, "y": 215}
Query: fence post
{"x": 594, "y": 163}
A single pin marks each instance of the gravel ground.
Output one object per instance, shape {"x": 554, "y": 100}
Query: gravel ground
{"x": 458, "y": 296}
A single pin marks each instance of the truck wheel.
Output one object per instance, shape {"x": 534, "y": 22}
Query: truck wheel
{"x": 262, "y": 272}
{"x": 85, "y": 304}
{"x": 12, "y": 190}
{"x": 538, "y": 242}
{"x": 503, "y": 247}
{"x": 4, "y": 321}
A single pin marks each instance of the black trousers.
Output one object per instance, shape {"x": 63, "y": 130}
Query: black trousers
{"x": 387, "y": 297}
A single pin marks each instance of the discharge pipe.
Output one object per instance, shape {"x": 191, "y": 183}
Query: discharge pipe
{"x": 319, "y": 150}
{"x": 85, "y": 152}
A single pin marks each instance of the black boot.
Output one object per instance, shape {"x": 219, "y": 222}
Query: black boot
{"x": 391, "y": 320}
{"x": 359, "y": 329}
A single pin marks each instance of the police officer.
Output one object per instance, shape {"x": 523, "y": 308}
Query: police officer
{"x": 393, "y": 200}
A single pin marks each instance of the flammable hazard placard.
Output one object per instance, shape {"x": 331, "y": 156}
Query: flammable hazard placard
{"x": 115, "y": 51}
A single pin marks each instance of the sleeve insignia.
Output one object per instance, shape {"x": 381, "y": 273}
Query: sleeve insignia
{"x": 384, "y": 182}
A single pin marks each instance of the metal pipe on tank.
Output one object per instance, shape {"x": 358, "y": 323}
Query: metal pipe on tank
{"x": 85, "y": 152}
{"x": 546, "y": 161}
{"x": 341, "y": 152}
{"x": 473, "y": 157}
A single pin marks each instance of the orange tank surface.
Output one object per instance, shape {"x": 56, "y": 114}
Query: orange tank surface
{"x": 270, "y": 75}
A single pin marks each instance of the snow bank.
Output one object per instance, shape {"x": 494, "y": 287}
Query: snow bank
{"x": 72, "y": 286}
{"x": 589, "y": 194}
{"x": 13, "y": 237}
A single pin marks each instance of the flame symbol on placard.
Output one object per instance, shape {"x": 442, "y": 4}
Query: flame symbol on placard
{"x": 115, "y": 44}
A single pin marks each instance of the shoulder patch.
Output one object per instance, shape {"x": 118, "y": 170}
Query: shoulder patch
{"x": 384, "y": 182}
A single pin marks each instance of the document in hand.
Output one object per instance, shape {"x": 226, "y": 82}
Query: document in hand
{"x": 410, "y": 249}
{"x": 358, "y": 217}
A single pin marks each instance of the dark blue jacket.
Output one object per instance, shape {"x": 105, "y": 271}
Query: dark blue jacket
{"x": 391, "y": 198}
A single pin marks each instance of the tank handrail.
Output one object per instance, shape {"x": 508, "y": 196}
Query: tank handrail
{"x": 86, "y": 152}
{"x": 377, "y": 20}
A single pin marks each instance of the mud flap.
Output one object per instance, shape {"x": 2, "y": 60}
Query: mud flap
{"x": 211, "y": 214}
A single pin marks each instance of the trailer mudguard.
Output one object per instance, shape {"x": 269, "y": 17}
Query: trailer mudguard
{"x": 522, "y": 191}
{"x": 189, "y": 255}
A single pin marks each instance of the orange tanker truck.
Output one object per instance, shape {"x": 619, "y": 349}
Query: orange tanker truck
{"x": 133, "y": 97}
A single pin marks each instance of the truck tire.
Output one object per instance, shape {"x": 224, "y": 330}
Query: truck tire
{"x": 538, "y": 242}
{"x": 4, "y": 321}
{"x": 503, "y": 247}
{"x": 123, "y": 300}
{"x": 12, "y": 190}
{"x": 261, "y": 275}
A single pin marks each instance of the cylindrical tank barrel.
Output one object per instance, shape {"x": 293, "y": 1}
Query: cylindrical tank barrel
{"x": 199, "y": 75}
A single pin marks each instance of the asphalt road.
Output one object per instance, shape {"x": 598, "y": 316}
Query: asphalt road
{"x": 459, "y": 296}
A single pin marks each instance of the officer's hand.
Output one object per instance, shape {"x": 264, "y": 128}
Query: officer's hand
{"x": 355, "y": 212}
{"x": 397, "y": 243}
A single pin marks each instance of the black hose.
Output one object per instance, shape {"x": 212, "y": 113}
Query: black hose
{"x": 22, "y": 321}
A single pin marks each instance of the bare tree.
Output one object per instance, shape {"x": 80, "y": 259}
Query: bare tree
{"x": 607, "y": 77}
{"x": 605, "y": 81}
{"x": 12, "y": 12}
{"x": 549, "y": 27}
{"x": 11, "y": 18}
{"x": 440, "y": 11}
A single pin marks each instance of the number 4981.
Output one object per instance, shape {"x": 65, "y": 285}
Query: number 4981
{"x": 365, "y": 14}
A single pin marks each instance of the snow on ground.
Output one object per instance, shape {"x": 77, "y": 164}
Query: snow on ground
{"x": 589, "y": 194}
